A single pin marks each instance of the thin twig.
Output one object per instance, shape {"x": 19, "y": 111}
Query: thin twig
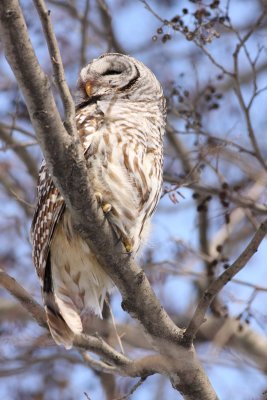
{"x": 98, "y": 365}
{"x": 122, "y": 364}
{"x": 84, "y": 29}
{"x": 214, "y": 61}
{"x": 238, "y": 199}
{"x": 237, "y": 89}
{"x": 21, "y": 152}
{"x": 133, "y": 389}
{"x": 57, "y": 65}
{"x": 13, "y": 188}
{"x": 222, "y": 280}
{"x": 150, "y": 9}
{"x": 25, "y": 299}
{"x": 115, "y": 328}
{"x": 12, "y": 127}
{"x": 107, "y": 23}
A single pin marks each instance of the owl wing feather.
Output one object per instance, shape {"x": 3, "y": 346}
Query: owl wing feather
{"x": 49, "y": 209}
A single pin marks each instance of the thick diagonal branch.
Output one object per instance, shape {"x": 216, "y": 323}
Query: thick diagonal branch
{"x": 64, "y": 156}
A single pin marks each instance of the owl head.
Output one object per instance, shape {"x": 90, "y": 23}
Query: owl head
{"x": 117, "y": 76}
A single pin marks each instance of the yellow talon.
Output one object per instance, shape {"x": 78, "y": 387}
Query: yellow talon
{"x": 98, "y": 197}
{"x": 128, "y": 246}
{"x": 106, "y": 207}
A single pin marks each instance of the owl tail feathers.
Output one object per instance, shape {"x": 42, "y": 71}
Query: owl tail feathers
{"x": 63, "y": 321}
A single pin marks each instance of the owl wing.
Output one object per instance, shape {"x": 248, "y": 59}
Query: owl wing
{"x": 50, "y": 204}
{"x": 49, "y": 208}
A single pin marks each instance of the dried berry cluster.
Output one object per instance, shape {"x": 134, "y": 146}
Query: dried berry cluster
{"x": 224, "y": 200}
{"x": 201, "y": 201}
{"x": 192, "y": 110}
{"x": 212, "y": 97}
{"x": 202, "y": 206}
{"x": 220, "y": 259}
{"x": 179, "y": 100}
{"x": 200, "y": 27}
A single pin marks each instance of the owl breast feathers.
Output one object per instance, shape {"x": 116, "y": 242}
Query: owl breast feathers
{"x": 120, "y": 117}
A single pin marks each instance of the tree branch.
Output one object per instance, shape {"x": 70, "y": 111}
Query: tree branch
{"x": 65, "y": 159}
{"x": 123, "y": 365}
{"x": 25, "y": 299}
{"x": 222, "y": 280}
{"x": 20, "y": 151}
{"x": 57, "y": 65}
{"x": 107, "y": 22}
{"x": 64, "y": 156}
{"x": 84, "y": 29}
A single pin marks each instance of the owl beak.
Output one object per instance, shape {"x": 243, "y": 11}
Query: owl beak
{"x": 88, "y": 88}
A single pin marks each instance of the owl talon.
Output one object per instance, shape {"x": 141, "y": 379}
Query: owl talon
{"x": 106, "y": 208}
{"x": 128, "y": 246}
{"x": 98, "y": 197}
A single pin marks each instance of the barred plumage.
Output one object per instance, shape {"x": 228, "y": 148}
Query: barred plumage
{"x": 120, "y": 119}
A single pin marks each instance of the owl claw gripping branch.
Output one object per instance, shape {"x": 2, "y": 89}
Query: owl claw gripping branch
{"x": 120, "y": 117}
{"x": 106, "y": 207}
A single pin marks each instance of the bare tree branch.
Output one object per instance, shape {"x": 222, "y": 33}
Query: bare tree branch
{"x": 222, "y": 280}
{"x": 57, "y": 67}
{"x": 123, "y": 365}
{"x": 107, "y": 22}
{"x": 239, "y": 200}
{"x": 23, "y": 297}
{"x": 21, "y": 152}
{"x": 84, "y": 29}
{"x": 75, "y": 186}
{"x": 133, "y": 389}
{"x": 13, "y": 127}
{"x": 15, "y": 192}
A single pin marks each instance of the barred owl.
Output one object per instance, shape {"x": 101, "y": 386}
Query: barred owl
{"x": 120, "y": 117}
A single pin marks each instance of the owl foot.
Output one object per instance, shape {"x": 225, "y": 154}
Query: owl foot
{"x": 128, "y": 245}
{"x": 99, "y": 197}
{"x": 106, "y": 207}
